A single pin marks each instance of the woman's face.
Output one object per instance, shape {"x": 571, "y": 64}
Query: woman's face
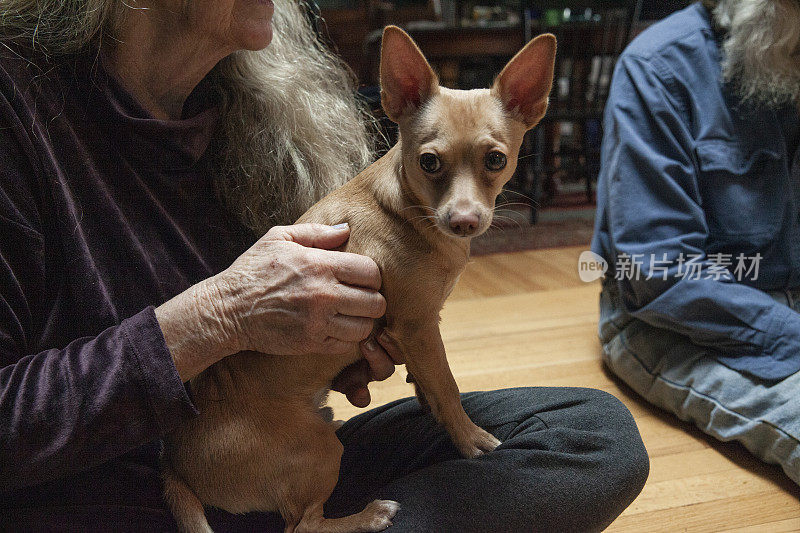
{"x": 234, "y": 24}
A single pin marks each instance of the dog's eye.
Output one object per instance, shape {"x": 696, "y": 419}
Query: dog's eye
{"x": 495, "y": 161}
{"x": 430, "y": 163}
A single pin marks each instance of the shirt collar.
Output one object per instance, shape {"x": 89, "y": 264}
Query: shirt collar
{"x": 139, "y": 136}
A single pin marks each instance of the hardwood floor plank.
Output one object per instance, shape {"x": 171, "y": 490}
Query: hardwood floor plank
{"x": 709, "y": 487}
{"x": 752, "y": 509}
{"x": 780, "y": 526}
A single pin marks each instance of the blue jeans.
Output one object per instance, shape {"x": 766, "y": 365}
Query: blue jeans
{"x": 671, "y": 372}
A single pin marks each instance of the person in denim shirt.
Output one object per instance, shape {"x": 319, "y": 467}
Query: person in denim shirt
{"x": 699, "y": 220}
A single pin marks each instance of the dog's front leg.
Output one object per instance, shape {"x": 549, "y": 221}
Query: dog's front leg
{"x": 427, "y": 361}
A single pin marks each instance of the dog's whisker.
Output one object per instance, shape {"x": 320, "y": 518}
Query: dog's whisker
{"x": 510, "y": 191}
{"x": 502, "y": 218}
{"x": 507, "y": 204}
{"x": 526, "y": 156}
{"x": 422, "y": 217}
{"x": 423, "y": 207}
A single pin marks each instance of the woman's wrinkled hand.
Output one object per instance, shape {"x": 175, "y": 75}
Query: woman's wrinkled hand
{"x": 291, "y": 293}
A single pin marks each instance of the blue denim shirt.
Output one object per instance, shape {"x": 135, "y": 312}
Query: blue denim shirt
{"x": 696, "y": 191}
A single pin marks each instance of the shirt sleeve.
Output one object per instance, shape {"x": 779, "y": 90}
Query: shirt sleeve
{"x": 656, "y": 223}
{"x": 67, "y": 409}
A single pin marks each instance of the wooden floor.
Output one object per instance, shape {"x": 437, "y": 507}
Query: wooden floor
{"x": 526, "y": 319}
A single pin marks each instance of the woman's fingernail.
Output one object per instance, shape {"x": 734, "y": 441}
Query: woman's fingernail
{"x": 343, "y": 225}
{"x": 384, "y": 338}
{"x": 370, "y": 345}
{"x": 362, "y": 397}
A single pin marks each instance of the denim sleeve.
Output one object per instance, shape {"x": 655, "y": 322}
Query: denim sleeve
{"x": 67, "y": 409}
{"x": 656, "y": 222}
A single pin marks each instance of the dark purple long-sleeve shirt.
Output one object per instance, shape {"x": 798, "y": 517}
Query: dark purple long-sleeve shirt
{"x": 105, "y": 212}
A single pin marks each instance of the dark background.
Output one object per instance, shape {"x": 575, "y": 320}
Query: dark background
{"x": 658, "y": 9}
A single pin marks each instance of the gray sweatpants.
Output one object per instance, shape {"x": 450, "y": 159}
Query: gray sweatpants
{"x": 673, "y": 373}
{"x": 570, "y": 460}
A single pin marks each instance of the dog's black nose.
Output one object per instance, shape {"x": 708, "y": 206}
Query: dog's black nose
{"x": 465, "y": 224}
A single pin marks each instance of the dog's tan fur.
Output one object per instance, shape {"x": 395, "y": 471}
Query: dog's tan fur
{"x": 263, "y": 440}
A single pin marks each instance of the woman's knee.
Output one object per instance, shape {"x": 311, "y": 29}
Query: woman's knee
{"x": 590, "y": 420}
{"x": 611, "y": 422}
{"x": 576, "y": 452}
{"x": 599, "y": 439}
{"x": 623, "y": 465}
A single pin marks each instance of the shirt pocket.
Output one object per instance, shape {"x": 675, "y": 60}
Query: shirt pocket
{"x": 741, "y": 190}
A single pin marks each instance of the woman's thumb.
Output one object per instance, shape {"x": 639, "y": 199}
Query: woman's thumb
{"x": 314, "y": 235}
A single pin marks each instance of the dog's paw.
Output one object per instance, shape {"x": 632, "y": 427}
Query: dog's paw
{"x": 381, "y": 513}
{"x": 477, "y": 443}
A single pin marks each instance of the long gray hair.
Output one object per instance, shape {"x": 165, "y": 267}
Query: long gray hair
{"x": 291, "y": 128}
{"x": 761, "y": 46}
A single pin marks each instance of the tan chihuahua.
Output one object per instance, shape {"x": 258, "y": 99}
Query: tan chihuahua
{"x": 263, "y": 440}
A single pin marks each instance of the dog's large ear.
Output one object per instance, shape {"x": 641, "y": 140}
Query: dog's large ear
{"x": 407, "y": 79}
{"x": 525, "y": 82}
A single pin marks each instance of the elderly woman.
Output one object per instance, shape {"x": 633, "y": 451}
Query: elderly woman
{"x": 144, "y": 147}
